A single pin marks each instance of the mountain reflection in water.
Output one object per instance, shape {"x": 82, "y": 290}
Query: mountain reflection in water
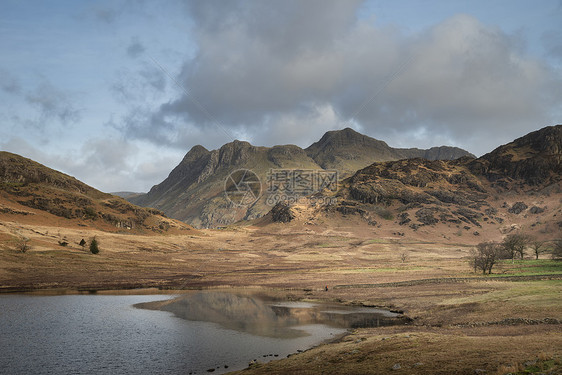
{"x": 280, "y": 320}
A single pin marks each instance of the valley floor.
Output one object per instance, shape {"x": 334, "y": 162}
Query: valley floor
{"x": 463, "y": 322}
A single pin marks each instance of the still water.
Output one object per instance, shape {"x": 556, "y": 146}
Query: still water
{"x": 107, "y": 334}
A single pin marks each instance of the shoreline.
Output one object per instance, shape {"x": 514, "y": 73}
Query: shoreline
{"x": 447, "y": 320}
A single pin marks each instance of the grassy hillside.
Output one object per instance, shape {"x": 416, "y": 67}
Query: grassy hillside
{"x": 33, "y": 193}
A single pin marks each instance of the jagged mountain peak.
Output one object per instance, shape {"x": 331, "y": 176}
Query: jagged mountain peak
{"x": 196, "y": 150}
{"x": 235, "y": 153}
{"x": 194, "y": 154}
{"x": 194, "y": 190}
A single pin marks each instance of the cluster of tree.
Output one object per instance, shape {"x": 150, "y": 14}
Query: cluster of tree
{"x": 487, "y": 254}
{"x": 94, "y": 245}
{"x": 22, "y": 244}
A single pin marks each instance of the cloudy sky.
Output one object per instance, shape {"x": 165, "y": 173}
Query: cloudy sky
{"x": 116, "y": 92}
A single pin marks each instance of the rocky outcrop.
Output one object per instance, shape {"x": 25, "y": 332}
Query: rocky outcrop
{"x": 425, "y": 192}
{"x": 535, "y": 159}
{"x": 517, "y": 208}
{"x": 281, "y": 213}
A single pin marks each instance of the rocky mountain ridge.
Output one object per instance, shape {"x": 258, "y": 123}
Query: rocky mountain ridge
{"x": 516, "y": 185}
{"x": 336, "y": 148}
{"x": 194, "y": 190}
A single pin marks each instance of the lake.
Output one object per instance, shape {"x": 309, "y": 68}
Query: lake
{"x": 197, "y": 332}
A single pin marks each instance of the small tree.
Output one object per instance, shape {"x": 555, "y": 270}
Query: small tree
{"x": 404, "y": 257}
{"x": 485, "y": 256}
{"x": 557, "y": 249}
{"x": 514, "y": 244}
{"x": 22, "y": 244}
{"x": 537, "y": 246}
{"x": 94, "y": 246}
{"x": 82, "y": 243}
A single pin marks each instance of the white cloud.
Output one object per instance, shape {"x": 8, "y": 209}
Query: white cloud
{"x": 108, "y": 164}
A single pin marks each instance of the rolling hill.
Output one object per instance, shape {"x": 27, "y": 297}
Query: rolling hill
{"x": 33, "y": 193}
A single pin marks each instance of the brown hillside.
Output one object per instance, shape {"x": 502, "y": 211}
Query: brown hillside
{"x": 33, "y": 193}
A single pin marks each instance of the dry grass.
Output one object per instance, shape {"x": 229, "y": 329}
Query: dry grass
{"x": 449, "y": 332}
{"x": 417, "y": 351}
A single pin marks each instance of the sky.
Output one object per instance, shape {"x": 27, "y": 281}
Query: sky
{"x": 116, "y": 92}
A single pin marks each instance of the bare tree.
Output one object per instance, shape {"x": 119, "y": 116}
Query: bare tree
{"x": 515, "y": 244}
{"x": 485, "y": 256}
{"x": 537, "y": 246}
{"x": 22, "y": 244}
{"x": 557, "y": 249}
{"x": 404, "y": 257}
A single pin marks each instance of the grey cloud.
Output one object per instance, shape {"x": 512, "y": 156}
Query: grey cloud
{"x": 270, "y": 69}
{"x": 552, "y": 41}
{"x": 134, "y": 86}
{"x": 285, "y": 28}
{"x": 173, "y": 130}
{"x": 109, "y": 155}
{"x": 106, "y": 15}
{"x": 52, "y": 104}
{"x": 9, "y": 84}
{"x": 466, "y": 80}
{"x": 135, "y": 49}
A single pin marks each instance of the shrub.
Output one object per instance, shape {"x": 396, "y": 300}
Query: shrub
{"x": 63, "y": 242}
{"x": 384, "y": 212}
{"x": 90, "y": 213}
{"x": 23, "y": 244}
{"x": 94, "y": 246}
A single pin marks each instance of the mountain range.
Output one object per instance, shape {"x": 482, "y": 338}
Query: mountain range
{"x": 516, "y": 186}
{"x": 519, "y": 182}
{"x": 194, "y": 190}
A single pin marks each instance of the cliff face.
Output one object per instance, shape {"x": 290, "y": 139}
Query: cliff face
{"x": 194, "y": 190}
